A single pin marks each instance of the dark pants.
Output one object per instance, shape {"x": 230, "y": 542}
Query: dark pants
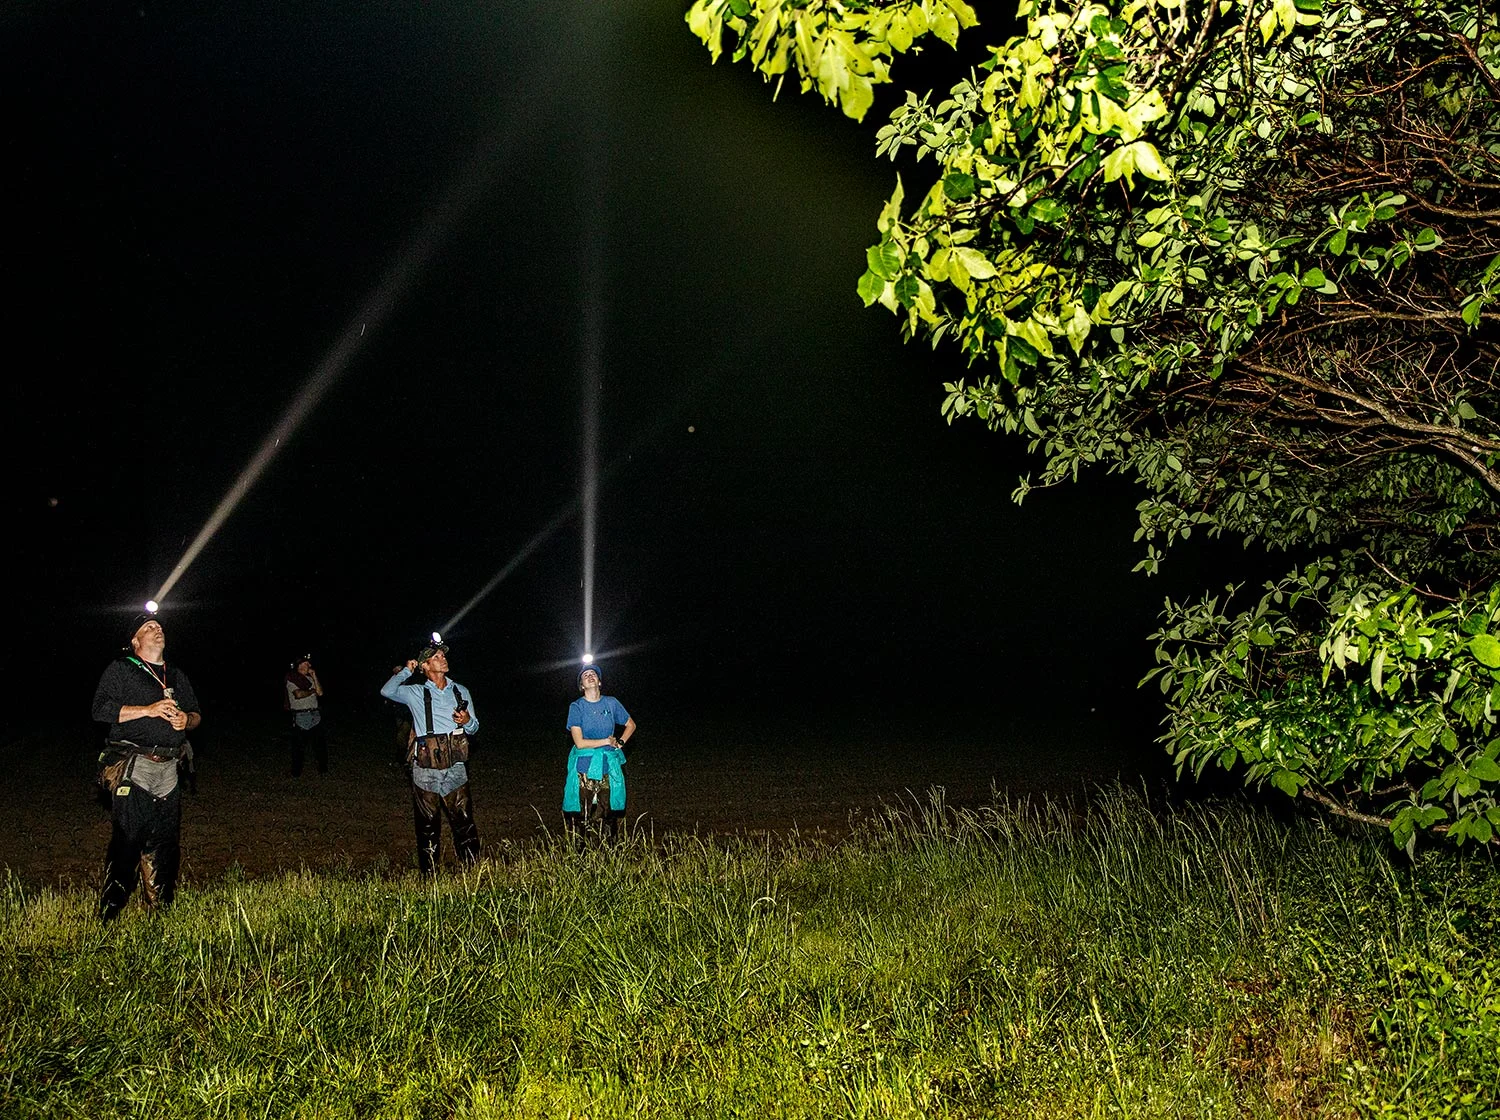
{"x": 595, "y": 816}
{"x": 314, "y": 740}
{"x": 459, "y": 810}
{"x": 144, "y": 845}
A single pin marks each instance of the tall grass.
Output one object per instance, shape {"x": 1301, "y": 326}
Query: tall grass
{"x": 1114, "y": 959}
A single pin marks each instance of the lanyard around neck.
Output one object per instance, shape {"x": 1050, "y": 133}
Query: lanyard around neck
{"x": 161, "y": 680}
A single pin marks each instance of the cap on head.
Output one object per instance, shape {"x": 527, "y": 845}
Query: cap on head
{"x": 431, "y": 650}
{"x": 135, "y": 626}
{"x": 300, "y": 658}
{"x": 589, "y": 669}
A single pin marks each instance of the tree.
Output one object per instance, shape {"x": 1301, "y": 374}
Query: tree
{"x": 1246, "y": 252}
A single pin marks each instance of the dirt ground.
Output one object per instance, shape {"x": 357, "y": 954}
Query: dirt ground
{"x": 250, "y": 816}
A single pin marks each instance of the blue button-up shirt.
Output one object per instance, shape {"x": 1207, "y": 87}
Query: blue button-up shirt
{"x": 444, "y": 701}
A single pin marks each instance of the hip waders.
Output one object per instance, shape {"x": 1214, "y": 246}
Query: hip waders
{"x": 594, "y": 813}
{"x": 144, "y": 847}
{"x": 428, "y": 810}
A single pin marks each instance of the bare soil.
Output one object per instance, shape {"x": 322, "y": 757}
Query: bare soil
{"x": 250, "y": 816}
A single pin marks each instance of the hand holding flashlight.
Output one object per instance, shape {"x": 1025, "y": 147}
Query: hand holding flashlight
{"x": 163, "y": 709}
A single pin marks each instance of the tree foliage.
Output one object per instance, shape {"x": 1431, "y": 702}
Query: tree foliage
{"x": 1246, "y": 252}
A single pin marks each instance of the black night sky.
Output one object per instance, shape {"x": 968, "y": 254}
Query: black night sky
{"x": 201, "y": 198}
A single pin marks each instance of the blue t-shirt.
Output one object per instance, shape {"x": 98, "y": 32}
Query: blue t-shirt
{"x": 597, "y": 719}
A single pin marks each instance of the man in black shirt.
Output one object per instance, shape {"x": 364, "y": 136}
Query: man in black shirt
{"x": 150, "y": 708}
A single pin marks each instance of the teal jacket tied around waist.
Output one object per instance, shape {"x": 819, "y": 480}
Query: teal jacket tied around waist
{"x": 595, "y": 763}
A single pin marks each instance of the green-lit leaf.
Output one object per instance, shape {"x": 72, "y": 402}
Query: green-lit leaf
{"x": 884, "y": 260}
{"x": 974, "y": 263}
{"x": 1485, "y": 769}
{"x": 1486, "y": 650}
{"x": 1048, "y": 210}
{"x": 958, "y": 185}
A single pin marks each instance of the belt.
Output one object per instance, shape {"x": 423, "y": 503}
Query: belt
{"x": 442, "y": 737}
{"x": 142, "y": 752}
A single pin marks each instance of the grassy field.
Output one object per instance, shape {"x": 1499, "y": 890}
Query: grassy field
{"x": 1119, "y": 959}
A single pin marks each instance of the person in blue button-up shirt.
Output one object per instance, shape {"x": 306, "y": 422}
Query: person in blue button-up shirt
{"x": 439, "y": 780}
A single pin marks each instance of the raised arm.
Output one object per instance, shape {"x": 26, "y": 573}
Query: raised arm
{"x": 391, "y": 690}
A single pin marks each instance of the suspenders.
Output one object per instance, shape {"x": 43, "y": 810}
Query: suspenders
{"x": 427, "y": 704}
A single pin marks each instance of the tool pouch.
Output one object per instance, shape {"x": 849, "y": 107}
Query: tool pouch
{"x": 438, "y": 752}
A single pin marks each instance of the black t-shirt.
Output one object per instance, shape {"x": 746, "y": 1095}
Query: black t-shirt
{"x": 127, "y": 682}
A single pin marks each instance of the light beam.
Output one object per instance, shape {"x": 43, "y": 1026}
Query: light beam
{"x": 410, "y": 259}
{"x": 591, "y": 377}
{"x": 559, "y": 519}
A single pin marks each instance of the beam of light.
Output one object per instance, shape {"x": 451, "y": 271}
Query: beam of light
{"x": 592, "y": 369}
{"x": 559, "y": 519}
{"x": 408, "y": 263}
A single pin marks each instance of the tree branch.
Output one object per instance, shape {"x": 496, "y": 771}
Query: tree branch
{"x": 1343, "y": 810}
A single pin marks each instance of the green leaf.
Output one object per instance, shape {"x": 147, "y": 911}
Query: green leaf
{"x": 1486, "y": 650}
{"x": 1149, "y": 163}
{"x": 857, "y": 97}
{"x": 1120, "y": 164}
{"x": 1485, "y": 769}
{"x": 958, "y": 186}
{"x": 870, "y": 287}
{"x": 1023, "y": 352}
{"x": 884, "y": 259}
{"x": 974, "y": 263}
{"x": 1048, "y": 210}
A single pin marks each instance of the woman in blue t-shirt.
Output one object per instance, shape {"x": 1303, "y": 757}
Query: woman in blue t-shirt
{"x": 594, "y": 789}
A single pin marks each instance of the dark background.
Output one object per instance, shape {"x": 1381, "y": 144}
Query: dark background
{"x": 200, "y": 198}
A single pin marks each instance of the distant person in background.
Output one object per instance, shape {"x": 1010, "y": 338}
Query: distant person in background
{"x": 302, "y": 692}
{"x": 150, "y": 708}
{"x": 594, "y": 789}
{"x": 442, "y": 720}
